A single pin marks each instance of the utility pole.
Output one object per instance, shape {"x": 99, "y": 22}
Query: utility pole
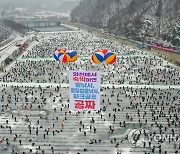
{"x": 159, "y": 16}
{"x": 118, "y": 11}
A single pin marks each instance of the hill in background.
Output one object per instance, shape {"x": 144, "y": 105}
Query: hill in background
{"x": 143, "y": 20}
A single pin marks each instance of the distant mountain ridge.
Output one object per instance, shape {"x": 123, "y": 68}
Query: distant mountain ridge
{"x": 150, "y": 20}
{"x": 68, "y": 5}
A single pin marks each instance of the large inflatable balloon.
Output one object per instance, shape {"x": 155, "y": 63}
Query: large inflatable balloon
{"x": 110, "y": 57}
{"x": 73, "y": 55}
{"x": 104, "y": 51}
{"x": 65, "y": 56}
{"x": 61, "y": 50}
{"x": 97, "y": 57}
{"x": 104, "y": 55}
{"x": 58, "y": 53}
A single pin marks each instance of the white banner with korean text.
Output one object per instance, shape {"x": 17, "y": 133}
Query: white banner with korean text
{"x": 84, "y": 87}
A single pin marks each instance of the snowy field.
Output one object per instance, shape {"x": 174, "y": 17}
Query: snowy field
{"x": 140, "y": 91}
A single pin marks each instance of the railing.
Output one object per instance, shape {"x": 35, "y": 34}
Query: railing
{"x": 162, "y": 48}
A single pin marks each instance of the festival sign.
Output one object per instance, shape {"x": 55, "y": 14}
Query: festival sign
{"x": 84, "y": 87}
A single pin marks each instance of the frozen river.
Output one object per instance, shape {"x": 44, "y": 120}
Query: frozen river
{"x": 139, "y": 93}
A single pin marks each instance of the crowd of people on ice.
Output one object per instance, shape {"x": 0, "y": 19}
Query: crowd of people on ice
{"x": 37, "y": 119}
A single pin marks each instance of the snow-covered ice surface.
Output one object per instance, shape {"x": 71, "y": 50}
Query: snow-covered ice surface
{"x": 34, "y": 98}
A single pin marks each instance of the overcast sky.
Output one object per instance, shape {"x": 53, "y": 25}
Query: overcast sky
{"x": 33, "y": 4}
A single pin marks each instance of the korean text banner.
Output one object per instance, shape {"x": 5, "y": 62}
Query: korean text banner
{"x": 84, "y": 87}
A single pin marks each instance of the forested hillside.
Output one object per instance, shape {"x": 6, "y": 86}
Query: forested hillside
{"x": 149, "y": 20}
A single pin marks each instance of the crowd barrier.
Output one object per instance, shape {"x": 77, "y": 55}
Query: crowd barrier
{"x": 162, "y": 48}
